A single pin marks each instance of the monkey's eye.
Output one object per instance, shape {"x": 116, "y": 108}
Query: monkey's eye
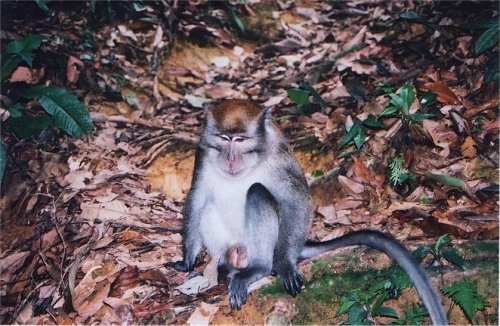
{"x": 225, "y": 137}
{"x": 239, "y": 139}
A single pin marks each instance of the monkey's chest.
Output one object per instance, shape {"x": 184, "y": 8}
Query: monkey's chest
{"x": 223, "y": 221}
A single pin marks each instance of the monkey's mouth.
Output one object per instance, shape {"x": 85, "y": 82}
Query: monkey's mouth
{"x": 234, "y": 172}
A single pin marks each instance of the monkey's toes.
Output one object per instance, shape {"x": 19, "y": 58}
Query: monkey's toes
{"x": 180, "y": 266}
{"x": 293, "y": 282}
{"x": 237, "y": 294}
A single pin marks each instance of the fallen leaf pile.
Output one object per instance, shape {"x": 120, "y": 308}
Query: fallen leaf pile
{"x": 88, "y": 225}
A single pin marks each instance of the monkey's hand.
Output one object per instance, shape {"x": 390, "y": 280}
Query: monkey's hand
{"x": 181, "y": 266}
{"x": 238, "y": 291}
{"x": 292, "y": 280}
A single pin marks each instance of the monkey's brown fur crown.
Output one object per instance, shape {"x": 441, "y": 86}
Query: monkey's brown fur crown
{"x": 234, "y": 116}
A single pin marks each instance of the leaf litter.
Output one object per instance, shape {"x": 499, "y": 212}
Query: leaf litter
{"x": 88, "y": 228}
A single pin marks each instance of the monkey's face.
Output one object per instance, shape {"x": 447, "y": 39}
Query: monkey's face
{"x": 234, "y": 155}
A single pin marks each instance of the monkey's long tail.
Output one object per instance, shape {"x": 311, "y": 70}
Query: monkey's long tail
{"x": 397, "y": 252}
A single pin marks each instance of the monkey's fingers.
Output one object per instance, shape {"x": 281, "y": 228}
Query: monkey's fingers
{"x": 180, "y": 266}
{"x": 292, "y": 281}
{"x": 237, "y": 293}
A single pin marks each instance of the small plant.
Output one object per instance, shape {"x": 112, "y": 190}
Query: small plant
{"x": 398, "y": 175}
{"x": 489, "y": 37}
{"x": 464, "y": 293}
{"x": 362, "y": 306}
{"x": 301, "y": 97}
{"x": 62, "y": 108}
{"x": 414, "y": 316}
{"x": 19, "y": 51}
{"x": 401, "y": 102}
{"x": 441, "y": 250}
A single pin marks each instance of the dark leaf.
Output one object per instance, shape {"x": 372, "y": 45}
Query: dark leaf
{"x": 66, "y": 110}
{"x": 298, "y": 96}
{"x": 488, "y": 39}
{"x": 373, "y": 122}
{"x": 453, "y": 256}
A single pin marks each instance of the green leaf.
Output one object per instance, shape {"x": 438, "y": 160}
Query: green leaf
{"x": 446, "y": 180}
{"x": 421, "y": 252}
{"x": 407, "y": 94}
{"x": 24, "y": 47}
{"x": 442, "y": 241}
{"x": 238, "y": 22}
{"x": 356, "y": 135}
{"x": 419, "y": 117}
{"x": 378, "y": 303}
{"x": 298, "y": 96}
{"x": 3, "y": 159}
{"x": 67, "y": 112}
{"x": 317, "y": 173}
{"x": 412, "y": 16}
{"x": 373, "y": 122}
{"x": 482, "y": 24}
{"x": 312, "y": 91}
{"x": 356, "y": 315}
{"x": 382, "y": 87}
{"x": 397, "y": 101}
{"x": 453, "y": 256}
{"x": 465, "y": 294}
{"x": 42, "y": 4}
{"x": 16, "y": 110}
{"x": 8, "y": 66}
{"x": 28, "y": 126}
{"x": 488, "y": 39}
{"x": 345, "y": 306}
{"x": 428, "y": 98}
{"x": 387, "y": 312}
{"x": 388, "y": 111}
{"x": 415, "y": 316}
{"x": 359, "y": 138}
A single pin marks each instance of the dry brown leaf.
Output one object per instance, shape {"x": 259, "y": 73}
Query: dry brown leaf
{"x": 27, "y": 75}
{"x": 94, "y": 288}
{"x": 444, "y": 94}
{"x": 350, "y": 186}
{"x": 348, "y": 203}
{"x": 203, "y": 314}
{"x": 73, "y": 67}
{"x": 468, "y": 147}
{"x": 361, "y": 171}
{"x": 440, "y": 132}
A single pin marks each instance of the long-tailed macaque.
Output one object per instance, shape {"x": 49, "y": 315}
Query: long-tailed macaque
{"x": 249, "y": 193}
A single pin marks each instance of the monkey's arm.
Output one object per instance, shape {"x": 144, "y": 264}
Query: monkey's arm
{"x": 191, "y": 244}
{"x": 193, "y": 211}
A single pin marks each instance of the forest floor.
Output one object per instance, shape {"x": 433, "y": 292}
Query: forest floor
{"x": 391, "y": 109}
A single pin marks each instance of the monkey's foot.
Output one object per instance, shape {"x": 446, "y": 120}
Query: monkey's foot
{"x": 292, "y": 281}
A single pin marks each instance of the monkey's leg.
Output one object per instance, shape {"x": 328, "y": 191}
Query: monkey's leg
{"x": 223, "y": 271}
{"x": 261, "y": 234}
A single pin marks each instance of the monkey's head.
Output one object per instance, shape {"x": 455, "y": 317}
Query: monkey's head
{"x": 235, "y": 135}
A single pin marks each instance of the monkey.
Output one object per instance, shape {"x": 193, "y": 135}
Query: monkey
{"x": 249, "y": 197}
